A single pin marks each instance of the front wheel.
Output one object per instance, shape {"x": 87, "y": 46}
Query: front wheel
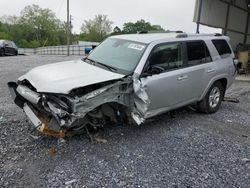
{"x": 212, "y": 101}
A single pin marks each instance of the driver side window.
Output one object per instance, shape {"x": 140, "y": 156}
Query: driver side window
{"x": 167, "y": 57}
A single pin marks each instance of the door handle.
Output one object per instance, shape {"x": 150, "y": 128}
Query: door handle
{"x": 182, "y": 78}
{"x": 210, "y": 70}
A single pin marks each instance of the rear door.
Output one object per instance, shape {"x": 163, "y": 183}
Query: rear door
{"x": 201, "y": 66}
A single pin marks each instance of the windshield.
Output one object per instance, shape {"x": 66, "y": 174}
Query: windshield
{"x": 120, "y": 54}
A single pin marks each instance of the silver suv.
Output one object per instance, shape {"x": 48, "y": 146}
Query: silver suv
{"x": 127, "y": 78}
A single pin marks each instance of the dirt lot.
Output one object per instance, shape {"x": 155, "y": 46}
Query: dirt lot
{"x": 190, "y": 150}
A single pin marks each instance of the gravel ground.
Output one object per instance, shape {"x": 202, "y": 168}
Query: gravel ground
{"x": 190, "y": 150}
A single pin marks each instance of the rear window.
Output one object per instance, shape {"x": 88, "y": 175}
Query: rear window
{"x": 222, "y": 46}
{"x": 197, "y": 53}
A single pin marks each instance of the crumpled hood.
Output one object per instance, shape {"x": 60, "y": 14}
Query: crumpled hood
{"x": 64, "y": 76}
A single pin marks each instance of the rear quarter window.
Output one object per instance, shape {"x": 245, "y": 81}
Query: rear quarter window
{"x": 197, "y": 53}
{"x": 222, "y": 47}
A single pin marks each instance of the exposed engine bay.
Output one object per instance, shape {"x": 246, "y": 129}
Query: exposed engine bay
{"x": 83, "y": 109}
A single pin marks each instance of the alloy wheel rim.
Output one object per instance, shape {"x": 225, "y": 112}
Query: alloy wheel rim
{"x": 214, "y": 97}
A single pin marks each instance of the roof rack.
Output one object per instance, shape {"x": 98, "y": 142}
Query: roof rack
{"x": 182, "y": 35}
{"x": 218, "y": 35}
{"x": 185, "y": 35}
{"x": 145, "y": 32}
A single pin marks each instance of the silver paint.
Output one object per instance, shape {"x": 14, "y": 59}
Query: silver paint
{"x": 64, "y": 76}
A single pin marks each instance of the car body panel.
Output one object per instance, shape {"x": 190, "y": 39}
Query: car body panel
{"x": 64, "y": 76}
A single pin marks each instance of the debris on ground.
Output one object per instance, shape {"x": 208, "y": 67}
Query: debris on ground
{"x": 70, "y": 182}
{"x": 52, "y": 152}
{"x": 231, "y": 99}
{"x": 61, "y": 141}
{"x": 100, "y": 140}
{"x": 33, "y": 136}
{"x": 245, "y": 160}
{"x": 229, "y": 121}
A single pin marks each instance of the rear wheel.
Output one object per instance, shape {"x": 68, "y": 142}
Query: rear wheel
{"x": 213, "y": 98}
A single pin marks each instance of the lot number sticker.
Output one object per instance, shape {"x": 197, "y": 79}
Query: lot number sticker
{"x": 136, "y": 46}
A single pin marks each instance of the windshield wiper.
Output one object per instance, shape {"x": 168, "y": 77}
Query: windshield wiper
{"x": 102, "y": 64}
{"x": 86, "y": 58}
{"x": 107, "y": 66}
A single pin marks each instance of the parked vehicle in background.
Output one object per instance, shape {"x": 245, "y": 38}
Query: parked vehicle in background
{"x": 8, "y": 48}
{"x": 127, "y": 78}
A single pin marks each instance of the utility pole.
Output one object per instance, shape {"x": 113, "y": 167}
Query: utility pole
{"x": 199, "y": 16}
{"x": 68, "y": 28}
{"x": 70, "y": 31}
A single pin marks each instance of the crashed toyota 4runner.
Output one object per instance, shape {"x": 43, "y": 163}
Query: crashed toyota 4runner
{"x": 128, "y": 78}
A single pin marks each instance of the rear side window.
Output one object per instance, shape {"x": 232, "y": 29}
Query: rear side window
{"x": 222, "y": 46}
{"x": 197, "y": 53}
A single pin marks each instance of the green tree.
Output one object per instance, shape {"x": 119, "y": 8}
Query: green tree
{"x": 116, "y": 31}
{"x": 41, "y": 25}
{"x": 4, "y": 35}
{"x": 35, "y": 27}
{"x": 97, "y": 29}
{"x": 22, "y": 43}
{"x": 140, "y": 25}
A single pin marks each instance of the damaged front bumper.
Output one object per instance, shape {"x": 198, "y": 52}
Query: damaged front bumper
{"x": 26, "y": 99}
{"x": 61, "y": 115}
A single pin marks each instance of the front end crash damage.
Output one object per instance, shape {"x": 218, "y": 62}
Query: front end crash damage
{"x": 61, "y": 115}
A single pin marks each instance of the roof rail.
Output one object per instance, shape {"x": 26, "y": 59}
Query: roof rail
{"x": 218, "y": 35}
{"x": 185, "y": 35}
{"x": 204, "y": 35}
{"x": 145, "y": 32}
{"x": 182, "y": 35}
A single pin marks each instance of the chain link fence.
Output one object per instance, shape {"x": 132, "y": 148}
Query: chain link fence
{"x": 56, "y": 50}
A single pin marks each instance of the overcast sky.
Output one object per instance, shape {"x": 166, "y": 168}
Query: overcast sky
{"x": 170, "y": 14}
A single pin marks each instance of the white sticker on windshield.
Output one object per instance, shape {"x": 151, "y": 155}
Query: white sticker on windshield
{"x": 136, "y": 46}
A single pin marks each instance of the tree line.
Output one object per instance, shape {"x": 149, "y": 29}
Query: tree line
{"x": 37, "y": 27}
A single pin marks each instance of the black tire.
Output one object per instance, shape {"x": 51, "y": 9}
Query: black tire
{"x": 16, "y": 53}
{"x": 1, "y": 52}
{"x": 212, "y": 100}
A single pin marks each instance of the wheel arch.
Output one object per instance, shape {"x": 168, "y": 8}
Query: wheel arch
{"x": 222, "y": 79}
